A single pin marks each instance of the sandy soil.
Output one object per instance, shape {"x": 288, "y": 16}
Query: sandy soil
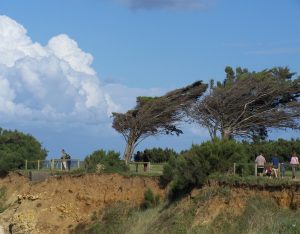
{"x": 60, "y": 203}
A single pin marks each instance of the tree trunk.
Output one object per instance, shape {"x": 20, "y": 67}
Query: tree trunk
{"x": 226, "y": 134}
{"x": 129, "y": 150}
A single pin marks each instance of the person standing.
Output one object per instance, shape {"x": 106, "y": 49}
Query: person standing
{"x": 63, "y": 160}
{"x": 282, "y": 169}
{"x": 275, "y": 163}
{"x": 146, "y": 161}
{"x": 294, "y": 163}
{"x": 260, "y": 162}
{"x": 137, "y": 159}
{"x": 68, "y": 159}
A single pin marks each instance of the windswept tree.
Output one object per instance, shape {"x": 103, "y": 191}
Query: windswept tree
{"x": 155, "y": 115}
{"x": 248, "y": 104}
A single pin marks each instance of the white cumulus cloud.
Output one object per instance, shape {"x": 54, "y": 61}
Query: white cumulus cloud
{"x": 48, "y": 83}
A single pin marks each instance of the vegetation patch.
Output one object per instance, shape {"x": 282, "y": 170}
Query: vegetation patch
{"x": 109, "y": 160}
{"x": 2, "y": 199}
{"x": 260, "y": 215}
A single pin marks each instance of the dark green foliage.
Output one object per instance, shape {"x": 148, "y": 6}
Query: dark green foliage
{"x": 156, "y": 155}
{"x": 190, "y": 171}
{"x": 221, "y": 154}
{"x": 150, "y": 200}
{"x": 169, "y": 171}
{"x": 282, "y": 148}
{"x": 16, "y": 147}
{"x": 191, "y": 168}
{"x": 2, "y": 198}
{"x": 110, "y": 159}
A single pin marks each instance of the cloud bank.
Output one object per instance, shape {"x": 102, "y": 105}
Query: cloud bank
{"x": 48, "y": 83}
{"x": 167, "y": 4}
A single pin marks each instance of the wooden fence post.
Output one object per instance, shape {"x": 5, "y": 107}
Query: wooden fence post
{"x": 255, "y": 170}
{"x": 38, "y": 165}
{"x": 26, "y": 163}
{"x": 234, "y": 167}
{"x": 149, "y": 167}
{"x": 78, "y": 163}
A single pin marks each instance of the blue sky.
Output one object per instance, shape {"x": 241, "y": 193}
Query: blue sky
{"x": 80, "y": 60}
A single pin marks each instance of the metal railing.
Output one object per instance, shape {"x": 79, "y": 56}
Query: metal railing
{"x": 54, "y": 164}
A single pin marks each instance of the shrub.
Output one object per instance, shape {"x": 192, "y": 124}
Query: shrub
{"x": 221, "y": 154}
{"x": 191, "y": 171}
{"x": 169, "y": 171}
{"x": 192, "y": 167}
{"x": 150, "y": 200}
{"x": 16, "y": 147}
{"x": 110, "y": 161}
{"x": 2, "y": 199}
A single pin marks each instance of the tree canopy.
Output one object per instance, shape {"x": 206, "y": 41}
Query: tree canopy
{"x": 248, "y": 104}
{"x": 155, "y": 115}
{"x": 16, "y": 147}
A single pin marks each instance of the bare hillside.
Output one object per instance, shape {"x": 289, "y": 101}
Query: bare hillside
{"x": 60, "y": 203}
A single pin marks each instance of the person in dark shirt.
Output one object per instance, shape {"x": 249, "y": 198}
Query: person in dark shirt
{"x": 146, "y": 161}
{"x": 137, "y": 158}
{"x": 275, "y": 163}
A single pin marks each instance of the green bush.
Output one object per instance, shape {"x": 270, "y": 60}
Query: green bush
{"x": 2, "y": 198}
{"x": 221, "y": 154}
{"x": 169, "y": 171}
{"x": 150, "y": 200}
{"x": 192, "y": 167}
{"x": 111, "y": 161}
{"x": 16, "y": 147}
{"x": 191, "y": 171}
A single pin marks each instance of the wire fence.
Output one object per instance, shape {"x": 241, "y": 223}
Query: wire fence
{"x": 146, "y": 167}
{"x": 54, "y": 164}
{"x": 73, "y": 164}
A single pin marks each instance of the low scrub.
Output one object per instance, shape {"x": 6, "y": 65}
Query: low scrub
{"x": 110, "y": 162}
{"x": 2, "y": 199}
{"x": 192, "y": 167}
{"x": 150, "y": 200}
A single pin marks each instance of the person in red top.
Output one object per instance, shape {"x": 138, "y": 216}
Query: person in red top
{"x": 269, "y": 171}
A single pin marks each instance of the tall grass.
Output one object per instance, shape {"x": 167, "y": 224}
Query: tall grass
{"x": 2, "y": 199}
